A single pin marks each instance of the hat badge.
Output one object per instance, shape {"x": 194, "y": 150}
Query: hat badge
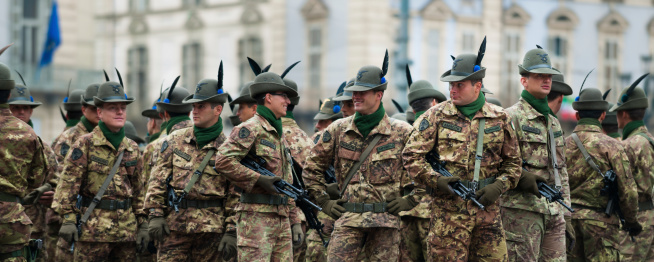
{"x": 456, "y": 62}
{"x": 21, "y": 90}
{"x": 543, "y": 57}
{"x": 199, "y": 87}
{"x": 116, "y": 88}
{"x": 360, "y": 74}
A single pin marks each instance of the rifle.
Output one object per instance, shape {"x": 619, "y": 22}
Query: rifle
{"x": 173, "y": 199}
{"x": 457, "y": 187}
{"x": 300, "y": 196}
{"x": 78, "y": 205}
{"x": 330, "y": 175}
{"x": 551, "y": 194}
{"x": 610, "y": 189}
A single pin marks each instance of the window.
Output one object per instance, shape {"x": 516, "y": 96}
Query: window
{"x": 30, "y": 9}
{"x": 190, "y": 3}
{"x": 558, "y": 50}
{"x": 137, "y": 76}
{"x": 433, "y": 40}
{"x": 315, "y": 56}
{"x": 249, "y": 46}
{"x": 468, "y": 43}
{"x": 510, "y": 59}
{"x": 611, "y": 64}
{"x": 138, "y": 5}
{"x": 30, "y": 45}
{"x": 191, "y": 65}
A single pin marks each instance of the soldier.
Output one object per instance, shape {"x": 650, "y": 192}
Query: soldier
{"x": 329, "y": 112}
{"x": 536, "y": 229}
{"x": 345, "y": 98}
{"x": 130, "y": 132}
{"x": 26, "y": 170}
{"x": 590, "y": 154}
{"x": 610, "y": 123}
{"x": 558, "y": 89}
{"x": 204, "y": 225}
{"x": 101, "y": 183}
{"x": 73, "y": 106}
{"x": 368, "y": 223}
{"x": 154, "y": 123}
{"x": 479, "y": 148}
{"x": 422, "y": 95}
{"x": 639, "y": 146}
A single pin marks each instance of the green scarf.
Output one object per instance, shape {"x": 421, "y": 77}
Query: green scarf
{"x": 153, "y": 137}
{"x": 30, "y": 123}
{"x": 589, "y": 121}
{"x": 205, "y": 135}
{"x": 113, "y": 138}
{"x": 540, "y": 105}
{"x": 419, "y": 113}
{"x": 366, "y": 123}
{"x": 72, "y": 122}
{"x": 289, "y": 114}
{"x": 268, "y": 115}
{"x": 614, "y": 135}
{"x": 175, "y": 120}
{"x": 87, "y": 124}
{"x": 626, "y": 131}
{"x": 469, "y": 110}
{"x": 163, "y": 125}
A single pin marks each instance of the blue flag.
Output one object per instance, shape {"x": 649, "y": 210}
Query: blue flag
{"x": 53, "y": 39}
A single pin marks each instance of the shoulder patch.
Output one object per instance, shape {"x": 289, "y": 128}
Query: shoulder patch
{"x": 243, "y": 133}
{"x": 530, "y": 129}
{"x": 100, "y": 160}
{"x": 558, "y": 134}
{"x": 315, "y": 140}
{"x": 492, "y": 129}
{"x": 76, "y": 154}
{"x": 347, "y": 146}
{"x": 385, "y": 147}
{"x": 424, "y": 124}
{"x": 268, "y": 143}
{"x": 181, "y": 154}
{"x": 64, "y": 149}
{"x": 451, "y": 126}
{"x": 326, "y": 137}
{"x": 164, "y": 146}
{"x": 131, "y": 163}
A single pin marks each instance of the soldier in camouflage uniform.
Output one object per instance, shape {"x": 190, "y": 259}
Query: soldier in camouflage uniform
{"x": 118, "y": 219}
{"x": 204, "y": 218}
{"x": 366, "y": 214}
{"x": 478, "y": 146}
{"x": 639, "y": 146}
{"x": 559, "y": 89}
{"x": 267, "y": 223}
{"x": 598, "y": 235}
{"x": 154, "y": 123}
{"x": 536, "y": 229}
{"x": 610, "y": 123}
{"x": 345, "y": 97}
{"x": 73, "y": 106}
{"x": 247, "y": 106}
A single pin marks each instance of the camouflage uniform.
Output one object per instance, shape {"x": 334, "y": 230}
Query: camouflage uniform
{"x": 641, "y": 156}
{"x": 599, "y": 236}
{"x": 414, "y": 229}
{"x": 315, "y": 250}
{"x": 263, "y": 230}
{"x": 459, "y": 229}
{"x": 535, "y": 229}
{"x": 195, "y": 232}
{"x": 26, "y": 170}
{"x": 379, "y": 178}
{"x": 152, "y": 151}
{"x": 107, "y": 233}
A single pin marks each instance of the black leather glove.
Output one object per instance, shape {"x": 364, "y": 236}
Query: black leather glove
{"x": 634, "y": 228}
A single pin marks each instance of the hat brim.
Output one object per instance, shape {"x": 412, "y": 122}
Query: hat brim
{"x": 72, "y": 106}
{"x": 25, "y": 103}
{"x": 542, "y": 70}
{"x": 218, "y": 98}
{"x": 342, "y": 98}
{"x": 486, "y": 91}
{"x": 84, "y": 102}
{"x": 295, "y": 100}
{"x": 263, "y": 88}
{"x": 562, "y": 88}
{"x": 638, "y": 103}
{"x": 175, "y": 108}
{"x": 136, "y": 139}
{"x": 242, "y": 99}
{"x": 97, "y": 101}
{"x": 590, "y": 105}
{"x": 448, "y": 77}
{"x": 323, "y": 116}
{"x": 425, "y": 93}
{"x": 150, "y": 113}
{"x": 358, "y": 87}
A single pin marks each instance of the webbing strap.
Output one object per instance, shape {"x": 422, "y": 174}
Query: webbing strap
{"x": 587, "y": 156}
{"x": 479, "y": 153}
{"x": 356, "y": 165}
{"x": 651, "y": 142}
{"x": 98, "y": 196}
{"x": 555, "y": 166}
{"x": 198, "y": 172}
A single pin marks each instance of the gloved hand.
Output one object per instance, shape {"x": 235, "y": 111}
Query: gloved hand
{"x": 228, "y": 245}
{"x": 46, "y": 198}
{"x": 529, "y": 182}
{"x": 297, "y": 233}
{"x": 333, "y": 191}
{"x": 399, "y": 204}
{"x": 569, "y": 234}
{"x": 68, "y": 232}
{"x": 490, "y": 193}
{"x": 142, "y": 237}
{"x": 267, "y": 182}
{"x": 332, "y": 208}
{"x": 443, "y": 183}
{"x": 32, "y": 197}
{"x": 634, "y": 228}
{"x": 157, "y": 228}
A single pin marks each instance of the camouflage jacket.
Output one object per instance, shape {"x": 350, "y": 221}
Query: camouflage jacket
{"x": 454, "y": 136}
{"x": 152, "y": 150}
{"x": 380, "y": 177}
{"x": 85, "y": 169}
{"x": 296, "y": 140}
{"x": 586, "y": 183}
{"x": 62, "y": 143}
{"x": 40, "y": 214}
{"x": 259, "y": 137}
{"x": 641, "y": 157}
{"x": 315, "y": 137}
{"x": 532, "y": 132}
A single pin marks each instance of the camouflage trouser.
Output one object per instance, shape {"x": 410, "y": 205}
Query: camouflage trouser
{"x": 532, "y": 236}
{"x": 14, "y": 236}
{"x": 316, "y": 252}
{"x": 263, "y": 237}
{"x": 466, "y": 234}
{"x": 596, "y": 241}
{"x": 642, "y": 248}
{"x": 62, "y": 252}
{"x": 414, "y": 244}
{"x": 375, "y": 243}
{"x": 50, "y": 241}
{"x": 105, "y": 251}
{"x": 299, "y": 253}
{"x": 180, "y": 246}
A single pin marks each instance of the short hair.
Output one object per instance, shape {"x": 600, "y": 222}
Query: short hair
{"x": 248, "y": 104}
{"x": 422, "y": 104}
{"x": 525, "y": 74}
{"x": 473, "y": 82}
{"x": 594, "y": 114}
{"x": 636, "y": 114}
{"x": 74, "y": 114}
{"x": 610, "y": 128}
{"x": 214, "y": 105}
{"x": 4, "y": 96}
{"x": 553, "y": 95}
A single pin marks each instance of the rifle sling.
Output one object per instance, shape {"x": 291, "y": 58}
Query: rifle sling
{"x": 479, "y": 153}
{"x": 98, "y": 196}
{"x": 355, "y": 167}
{"x": 651, "y": 142}
{"x": 198, "y": 172}
{"x": 555, "y": 166}
{"x": 587, "y": 156}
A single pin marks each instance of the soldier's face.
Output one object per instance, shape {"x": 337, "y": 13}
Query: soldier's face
{"x": 278, "y": 103}
{"x": 246, "y": 111}
{"x": 204, "y": 115}
{"x": 347, "y": 108}
{"x": 322, "y": 124}
{"x": 366, "y": 102}
{"x": 22, "y": 112}
{"x": 538, "y": 85}
{"x": 91, "y": 114}
{"x": 464, "y": 92}
{"x": 113, "y": 115}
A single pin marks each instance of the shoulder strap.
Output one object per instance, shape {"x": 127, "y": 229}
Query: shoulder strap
{"x": 555, "y": 166}
{"x": 198, "y": 172}
{"x": 587, "y": 156}
{"x": 103, "y": 188}
{"x": 356, "y": 165}
{"x": 651, "y": 142}
{"x": 479, "y": 153}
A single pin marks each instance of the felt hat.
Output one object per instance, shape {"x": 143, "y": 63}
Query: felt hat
{"x": 345, "y": 95}
{"x": 559, "y": 85}
{"x": 371, "y": 78}
{"x": 537, "y": 61}
{"x": 6, "y": 82}
{"x": 421, "y": 89}
{"x": 209, "y": 90}
{"x": 130, "y": 132}
{"x": 329, "y": 109}
{"x": 172, "y": 99}
{"x": 270, "y": 82}
{"x": 632, "y": 97}
{"x": 467, "y": 66}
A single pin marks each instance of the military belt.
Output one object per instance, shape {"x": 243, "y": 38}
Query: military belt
{"x": 107, "y": 204}
{"x": 4, "y": 197}
{"x": 482, "y": 183}
{"x": 189, "y": 203}
{"x": 596, "y": 209}
{"x": 647, "y": 205}
{"x": 379, "y": 207}
{"x": 263, "y": 199}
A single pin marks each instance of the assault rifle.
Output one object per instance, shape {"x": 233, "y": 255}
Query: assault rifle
{"x": 173, "y": 199}
{"x": 610, "y": 189}
{"x": 300, "y": 196}
{"x": 457, "y": 187}
{"x": 330, "y": 175}
{"x": 78, "y": 205}
{"x": 551, "y": 194}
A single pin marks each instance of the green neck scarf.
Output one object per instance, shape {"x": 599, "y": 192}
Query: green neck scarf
{"x": 626, "y": 131}
{"x": 614, "y": 135}
{"x": 469, "y": 110}
{"x": 419, "y": 113}
{"x": 113, "y": 138}
{"x": 175, "y": 120}
{"x": 30, "y": 123}
{"x": 590, "y": 121}
{"x": 205, "y": 135}
{"x": 268, "y": 115}
{"x": 153, "y": 137}
{"x": 540, "y": 105}
{"x": 366, "y": 123}
{"x": 163, "y": 125}
{"x": 289, "y": 114}
{"x": 87, "y": 124}
{"x": 72, "y": 122}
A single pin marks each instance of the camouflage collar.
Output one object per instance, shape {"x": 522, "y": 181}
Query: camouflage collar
{"x": 189, "y": 136}
{"x": 264, "y": 123}
{"x": 4, "y": 110}
{"x": 640, "y": 129}
{"x": 384, "y": 127}
{"x": 288, "y": 122}
{"x": 587, "y": 128}
{"x": 529, "y": 111}
{"x": 450, "y": 109}
{"x": 98, "y": 140}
